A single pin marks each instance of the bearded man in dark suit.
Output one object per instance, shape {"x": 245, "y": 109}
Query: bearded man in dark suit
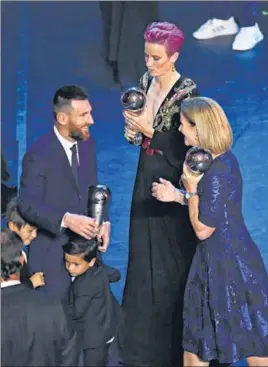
{"x": 56, "y": 174}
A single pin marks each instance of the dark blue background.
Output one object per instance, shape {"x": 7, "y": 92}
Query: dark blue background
{"x": 48, "y": 44}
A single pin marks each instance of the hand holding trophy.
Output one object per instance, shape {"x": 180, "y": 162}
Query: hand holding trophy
{"x": 197, "y": 160}
{"x": 134, "y": 100}
{"x": 98, "y": 198}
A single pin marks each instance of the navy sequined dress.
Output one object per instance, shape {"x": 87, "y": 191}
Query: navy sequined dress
{"x": 226, "y": 297}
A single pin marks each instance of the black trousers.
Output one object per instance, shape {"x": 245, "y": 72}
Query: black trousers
{"x": 98, "y": 357}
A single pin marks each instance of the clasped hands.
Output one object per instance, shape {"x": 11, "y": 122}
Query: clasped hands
{"x": 135, "y": 123}
{"x": 166, "y": 192}
{"x": 88, "y": 228}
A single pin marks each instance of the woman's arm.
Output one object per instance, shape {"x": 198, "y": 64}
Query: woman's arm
{"x": 190, "y": 183}
{"x": 166, "y": 192}
{"x": 201, "y": 230}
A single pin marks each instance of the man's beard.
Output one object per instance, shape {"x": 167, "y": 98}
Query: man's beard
{"x": 78, "y": 135}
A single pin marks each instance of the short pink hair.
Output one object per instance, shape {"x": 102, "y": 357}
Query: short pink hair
{"x": 165, "y": 33}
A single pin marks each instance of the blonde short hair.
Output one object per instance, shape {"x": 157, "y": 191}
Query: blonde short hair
{"x": 213, "y": 129}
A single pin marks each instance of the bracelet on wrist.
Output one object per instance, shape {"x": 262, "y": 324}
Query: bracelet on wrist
{"x": 189, "y": 195}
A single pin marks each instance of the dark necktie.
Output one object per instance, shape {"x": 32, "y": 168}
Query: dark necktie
{"x": 26, "y": 250}
{"x": 75, "y": 165}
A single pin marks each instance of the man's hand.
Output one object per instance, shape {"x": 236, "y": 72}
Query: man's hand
{"x": 104, "y": 235}
{"x": 82, "y": 225}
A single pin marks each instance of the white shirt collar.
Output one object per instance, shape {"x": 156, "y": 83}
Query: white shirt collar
{"x": 67, "y": 145}
{"x": 24, "y": 255}
{"x": 9, "y": 283}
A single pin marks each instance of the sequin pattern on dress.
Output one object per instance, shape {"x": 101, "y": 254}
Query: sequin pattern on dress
{"x": 226, "y": 297}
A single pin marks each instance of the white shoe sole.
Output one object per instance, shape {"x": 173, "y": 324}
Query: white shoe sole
{"x": 249, "y": 47}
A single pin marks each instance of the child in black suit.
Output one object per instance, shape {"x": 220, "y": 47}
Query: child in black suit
{"x": 27, "y": 233}
{"x": 89, "y": 301}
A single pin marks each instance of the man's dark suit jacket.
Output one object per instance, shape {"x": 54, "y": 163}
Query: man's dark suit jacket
{"x": 34, "y": 330}
{"x": 91, "y": 305}
{"x": 47, "y": 191}
{"x": 25, "y": 275}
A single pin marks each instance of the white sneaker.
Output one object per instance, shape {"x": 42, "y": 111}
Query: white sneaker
{"x": 247, "y": 38}
{"x": 216, "y": 27}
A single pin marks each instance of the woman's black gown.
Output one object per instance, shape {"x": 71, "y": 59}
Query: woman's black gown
{"x": 161, "y": 244}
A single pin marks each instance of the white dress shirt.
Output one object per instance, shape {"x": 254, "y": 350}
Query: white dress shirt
{"x": 25, "y": 256}
{"x": 67, "y": 145}
{"x": 9, "y": 283}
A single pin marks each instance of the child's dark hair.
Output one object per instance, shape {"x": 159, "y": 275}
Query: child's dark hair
{"x": 80, "y": 246}
{"x": 13, "y": 214}
{"x": 11, "y": 247}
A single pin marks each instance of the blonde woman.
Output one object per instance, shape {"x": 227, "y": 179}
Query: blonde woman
{"x": 226, "y": 298}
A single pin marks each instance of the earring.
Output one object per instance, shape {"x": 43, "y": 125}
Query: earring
{"x": 173, "y": 68}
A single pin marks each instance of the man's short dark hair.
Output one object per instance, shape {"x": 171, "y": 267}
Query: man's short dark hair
{"x": 13, "y": 214}
{"x": 80, "y": 246}
{"x": 64, "y": 96}
{"x": 11, "y": 247}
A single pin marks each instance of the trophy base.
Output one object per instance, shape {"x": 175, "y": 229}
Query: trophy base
{"x": 138, "y": 139}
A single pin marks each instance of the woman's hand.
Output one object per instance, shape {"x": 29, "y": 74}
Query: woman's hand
{"x": 129, "y": 134}
{"x": 137, "y": 123}
{"x": 164, "y": 191}
{"x": 190, "y": 180}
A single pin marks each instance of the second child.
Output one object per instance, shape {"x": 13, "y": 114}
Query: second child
{"x": 89, "y": 302}
{"x": 27, "y": 233}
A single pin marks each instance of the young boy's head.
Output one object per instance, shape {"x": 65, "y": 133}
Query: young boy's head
{"x": 11, "y": 256}
{"x": 26, "y": 231}
{"x": 80, "y": 254}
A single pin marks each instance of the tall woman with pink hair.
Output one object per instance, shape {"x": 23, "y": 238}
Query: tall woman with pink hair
{"x": 161, "y": 239}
